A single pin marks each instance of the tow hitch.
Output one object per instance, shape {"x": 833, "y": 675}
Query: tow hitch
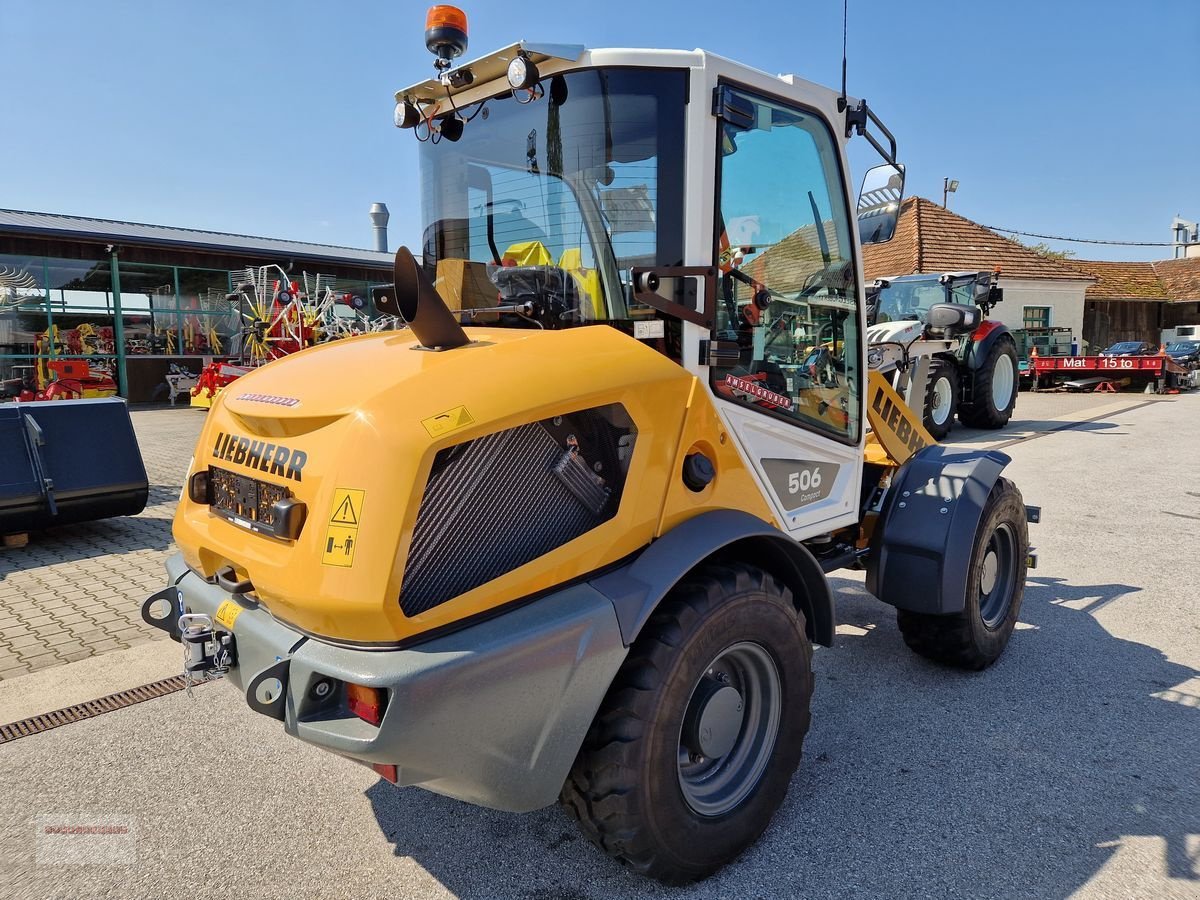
{"x": 207, "y": 652}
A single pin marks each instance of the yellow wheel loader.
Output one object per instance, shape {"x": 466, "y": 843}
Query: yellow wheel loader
{"x": 567, "y": 538}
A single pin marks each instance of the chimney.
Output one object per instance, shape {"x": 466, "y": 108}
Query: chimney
{"x": 379, "y": 223}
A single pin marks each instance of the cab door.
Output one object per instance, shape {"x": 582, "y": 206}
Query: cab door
{"x": 787, "y": 374}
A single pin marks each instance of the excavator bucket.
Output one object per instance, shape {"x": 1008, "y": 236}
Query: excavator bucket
{"x": 68, "y": 461}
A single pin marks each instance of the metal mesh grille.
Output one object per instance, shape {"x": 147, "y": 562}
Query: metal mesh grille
{"x": 491, "y": 505}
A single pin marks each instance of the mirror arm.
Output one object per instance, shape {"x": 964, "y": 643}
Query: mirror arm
{"x": 857, "y": 119}
{"x": 645, "y": 283}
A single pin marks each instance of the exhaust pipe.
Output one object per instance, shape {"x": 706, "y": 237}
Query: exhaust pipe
{"x": 413, "y": 298}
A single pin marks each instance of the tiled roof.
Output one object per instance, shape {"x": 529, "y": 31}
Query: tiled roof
{"x": 15, "y": 221}
{"x": 1180, "y": 278}
{"x": 1122, "y": 281}
{"x": 930, "y": 238}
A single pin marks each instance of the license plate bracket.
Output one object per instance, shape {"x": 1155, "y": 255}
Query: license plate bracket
{"x": 260, "y": 506}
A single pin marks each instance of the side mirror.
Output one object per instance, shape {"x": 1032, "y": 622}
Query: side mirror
{"x": 879, "y": 203}
{"x": 948, "y": 320}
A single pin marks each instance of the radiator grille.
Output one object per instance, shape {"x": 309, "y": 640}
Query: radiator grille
{"x": 500, "y": 501}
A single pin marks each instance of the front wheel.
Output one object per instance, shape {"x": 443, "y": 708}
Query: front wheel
{"x": 993, "y": 388}
{"x": 975, "y": 637}
{"x": 692, "y": 749}
{"x": 941, "y": 398}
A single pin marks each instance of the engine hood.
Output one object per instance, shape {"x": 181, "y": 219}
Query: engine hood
{"x": 352, "y": 430}
{"x": 904, "y": 332}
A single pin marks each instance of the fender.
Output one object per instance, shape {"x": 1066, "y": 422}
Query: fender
{"x": 638, "y": 587}
{"x": 981, "y": 342}
{"x": 926, "y": 531}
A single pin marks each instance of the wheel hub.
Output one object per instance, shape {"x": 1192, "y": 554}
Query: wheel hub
{"x": 714, "y": 719}
{"x": 987, "y": 579}
{"x": 943, "y": 398}
{"x": 729, "y": 727}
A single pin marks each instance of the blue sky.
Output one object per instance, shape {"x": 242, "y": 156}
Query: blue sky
{"x": 273, "y": 118}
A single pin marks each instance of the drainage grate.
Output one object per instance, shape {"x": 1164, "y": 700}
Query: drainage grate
{"x": 81, "y": 711}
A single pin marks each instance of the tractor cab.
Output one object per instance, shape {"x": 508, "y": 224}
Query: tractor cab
{"x": 910, "y": 297}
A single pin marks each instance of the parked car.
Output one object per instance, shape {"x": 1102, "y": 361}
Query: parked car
{"x": 1186, "y": 353}
{"x": 1130, "y": 348}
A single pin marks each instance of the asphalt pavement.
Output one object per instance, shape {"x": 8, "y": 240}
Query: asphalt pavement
{"x": 1070, "y": 768}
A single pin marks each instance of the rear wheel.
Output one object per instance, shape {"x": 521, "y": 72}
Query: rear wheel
{"x": 941, "y": 398}
{"x": 993, "y": 388}
{"x": 975, "y": 637}
{"x": 692, "y": 750}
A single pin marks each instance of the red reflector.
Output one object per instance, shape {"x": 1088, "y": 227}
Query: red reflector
{"x": 388, "y": 773}
{"x": 367, "y": 703}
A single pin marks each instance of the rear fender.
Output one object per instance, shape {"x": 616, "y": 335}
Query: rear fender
{"x": 638, "y": 587}
{"x": 922, "y": 550}
{"x": 982, "y": 340}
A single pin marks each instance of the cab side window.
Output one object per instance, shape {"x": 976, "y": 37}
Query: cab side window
{"x": 788, "y": 292}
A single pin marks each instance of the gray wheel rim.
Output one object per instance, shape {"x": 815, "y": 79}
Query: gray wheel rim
{"x": 713, "y": 787}
{"x": 943, "y": 399}
{"x": 1002, "y": 382}
{"x": 998, "y": 576}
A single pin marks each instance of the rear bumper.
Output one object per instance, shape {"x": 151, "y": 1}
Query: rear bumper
{"x": 493, "y": 714}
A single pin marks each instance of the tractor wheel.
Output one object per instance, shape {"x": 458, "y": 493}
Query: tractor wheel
{"x": 975, "y": 637}
{"x": 941, "y": 398}
{"x": 692, "y": 750}
{"x": 994, "y": 389}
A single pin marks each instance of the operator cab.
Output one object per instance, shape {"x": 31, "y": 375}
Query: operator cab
{"x": 694, "y": 203}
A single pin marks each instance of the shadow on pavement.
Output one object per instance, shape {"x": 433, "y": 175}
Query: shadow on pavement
{"x": 1024, "y": 429}
{"x": 1020, "y": 781}
{"x": 150, "y": 530}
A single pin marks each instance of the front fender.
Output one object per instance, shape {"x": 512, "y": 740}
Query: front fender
{"x": 926, "y": 531}
{"x": 638, "y": 587}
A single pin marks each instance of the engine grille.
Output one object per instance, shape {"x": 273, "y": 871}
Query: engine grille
{"x": 497, "y": 502}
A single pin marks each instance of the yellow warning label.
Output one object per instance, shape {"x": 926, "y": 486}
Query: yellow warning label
{"x": 450, "y": 420}
{"x": 227, "y": 614}
{"x": 340, "y": 543}
{"x": 341, "y": 534}
{"x": 347, "y": 507}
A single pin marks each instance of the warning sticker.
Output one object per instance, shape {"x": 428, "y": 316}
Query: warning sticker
{"x": 339, "y": 546}
{"x": 341, "y": 534}
{"x": 347, "y": 507}
{"x": 227, "y": 613}
{"x": 450, "y": 420}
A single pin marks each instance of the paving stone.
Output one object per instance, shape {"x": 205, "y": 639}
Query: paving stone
{"x": 82, "y": 586}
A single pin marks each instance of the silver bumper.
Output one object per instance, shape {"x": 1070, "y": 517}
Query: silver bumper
{"x": 493, "y": 714}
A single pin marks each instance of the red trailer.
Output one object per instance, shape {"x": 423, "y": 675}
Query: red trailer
{"x": 1109, "y": 373}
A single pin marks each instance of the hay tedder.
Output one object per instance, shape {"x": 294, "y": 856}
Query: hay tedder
{"x": 279, "y": 317}
{"x": 578, "y": 550}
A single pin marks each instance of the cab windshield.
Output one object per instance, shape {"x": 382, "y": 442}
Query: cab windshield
{"x": 535, "y": 215}
{"x": 903, "y": 300}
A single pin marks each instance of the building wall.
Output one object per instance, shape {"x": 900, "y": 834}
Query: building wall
{"x": 1108, "y": 321}
{"x": 1064, "y": 298}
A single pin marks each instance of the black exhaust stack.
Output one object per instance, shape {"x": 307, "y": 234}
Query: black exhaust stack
{"x": 414, "y": 299}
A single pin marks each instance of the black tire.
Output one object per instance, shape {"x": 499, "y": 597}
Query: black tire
{"x": 975, "y": 638}
{"x": 631, "y": 786}
{"x": 984, "y": 411}
{"x": 944, "y": 374}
